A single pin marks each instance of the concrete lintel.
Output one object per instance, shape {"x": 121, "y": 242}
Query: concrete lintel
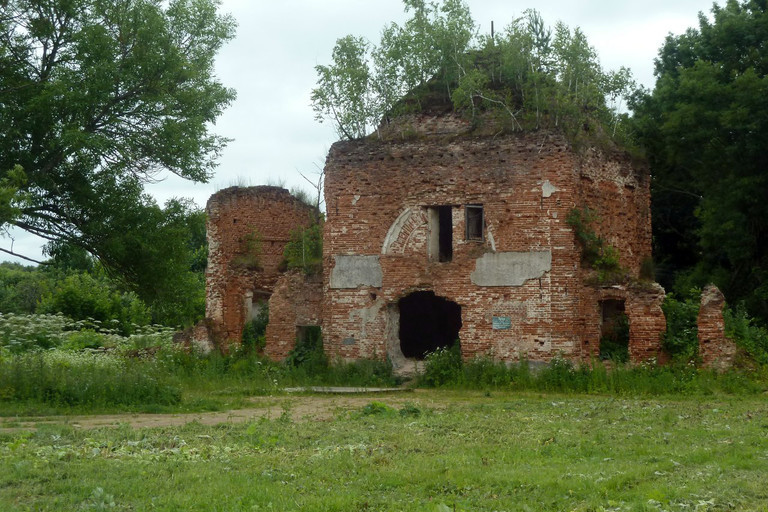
{"x": 510, "y": 268}
{"x": 356, "y": 271}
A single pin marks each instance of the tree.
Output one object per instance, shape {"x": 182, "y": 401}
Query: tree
{"x": 365, "y": 81}
{"x": 97, "y": 97}
{"x": 344, "y": 92}
{"x": 526, "y": 75}
{"x": 705, "y": 129}
{"x": 160, "y": 253}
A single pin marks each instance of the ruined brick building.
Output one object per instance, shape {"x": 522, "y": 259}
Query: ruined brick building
{"x": 443, "y": 235}
{"x": 438, "y": 236}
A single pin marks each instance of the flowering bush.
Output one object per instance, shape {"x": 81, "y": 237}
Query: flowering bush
{"x": 22, "y": 333}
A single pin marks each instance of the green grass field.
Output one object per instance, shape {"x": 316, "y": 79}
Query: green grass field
{"x": 440, "y": 451}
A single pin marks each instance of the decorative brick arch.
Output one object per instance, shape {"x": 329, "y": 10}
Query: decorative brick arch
{"x": 410, "y": 223}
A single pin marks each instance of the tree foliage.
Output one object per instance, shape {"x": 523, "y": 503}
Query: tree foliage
{"x": 365, "y": 81}
{"x": 530, "y": 75}
{"x": 163, "y": 282}
{"x": 96, "y": 99}
{"x": 705, "y": 128}
{"x": 305, "y": 249}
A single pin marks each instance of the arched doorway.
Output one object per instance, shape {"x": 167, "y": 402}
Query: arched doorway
{"x": 427, "y": 322}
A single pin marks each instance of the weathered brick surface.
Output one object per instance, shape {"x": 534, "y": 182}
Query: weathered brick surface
{"x": 236, "y": 217}
{"x": 297, "y": 300}
{"x": 377, "y": 198}
{"x": 716, "y": 350}
{"x": 642, "y": 304}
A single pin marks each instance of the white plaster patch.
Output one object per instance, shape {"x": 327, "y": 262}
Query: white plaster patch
{"x": 547, "y": 189}
{"x": 491, "y": 240}
{"x": 510, "y": 268}
{"x": 356, "y": 199}
{"x": 356, "y": 271}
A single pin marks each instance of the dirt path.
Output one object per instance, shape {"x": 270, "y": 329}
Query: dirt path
{"x": 300, "y": 408}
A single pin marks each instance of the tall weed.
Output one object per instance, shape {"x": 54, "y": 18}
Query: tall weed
{"x": 444, "y": 368}
{"x": 681, "y": 339}
{"x": 747, "y": 334}
{"x": 84, "y": 378}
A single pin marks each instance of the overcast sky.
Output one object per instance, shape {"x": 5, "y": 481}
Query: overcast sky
{"x": 271, "y": 64}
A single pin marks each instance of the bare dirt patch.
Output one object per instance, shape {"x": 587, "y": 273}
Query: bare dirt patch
{"x": 298, "y": 408}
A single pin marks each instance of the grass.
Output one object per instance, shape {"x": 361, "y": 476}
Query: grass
{"x": 445, "y": 451}
{"x": 490, "y": 437}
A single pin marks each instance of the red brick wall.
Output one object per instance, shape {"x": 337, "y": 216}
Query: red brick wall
{"x": 716, "y": 350}
{"x": 296, "y": 301}
{"x": 619, "y": 194}
{"x": 235, "y": 214}
{"x": 527, "y": 184}
{"x": 642, "y": 305}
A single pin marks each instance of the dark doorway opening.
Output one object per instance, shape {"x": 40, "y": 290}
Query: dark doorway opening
{"x": 427, "y": 322}
{"x": 614, "y": 331}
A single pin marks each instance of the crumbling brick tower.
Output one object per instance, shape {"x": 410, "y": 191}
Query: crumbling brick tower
{"x": 435, "y": 233}
{"x": 248, "y": 228}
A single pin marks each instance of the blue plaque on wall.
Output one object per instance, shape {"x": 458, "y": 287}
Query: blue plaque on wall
{"x": 501, "y": 323}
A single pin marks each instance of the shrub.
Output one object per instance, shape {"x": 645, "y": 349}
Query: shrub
{"x": 484, "y": 372}
{"x": 377, "y": 409}
{"x": 443, "y": 367}
{"x": 595, "y": 251}
{"x": 614, "y": 345}
{"x": 253, "y": 338}
{"x": 521, "y": 375}
{"x": 308, "y": 352}
{"x": 83, "y": 296}
{"x": 747, "y": 334}
{"x": 681, "y": 337}
{"x": 364, "y": 372}
{"x": 559, "y": 375}
{"x": 85, "y": 339}
{"x": 410, "y": 411}
{"x": 84, "y": 378}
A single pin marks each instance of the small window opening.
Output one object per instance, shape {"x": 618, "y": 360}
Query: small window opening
{"x": 614, "y": 331}
{"x": 441, "y": 233}
{"x": 474, "y": 222}
{"x": 309, "y": 343}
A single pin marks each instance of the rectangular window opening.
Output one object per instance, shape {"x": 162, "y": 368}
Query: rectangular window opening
{"x": 614, "y": 331}
{"x": 441, "y": 233}
{"x": 474, "y": 222}
{"x": 309, "y": 338}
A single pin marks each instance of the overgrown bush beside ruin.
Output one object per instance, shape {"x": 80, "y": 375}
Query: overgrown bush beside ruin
{"x": 681, "y": 339}
{"x": 747, "y": 334}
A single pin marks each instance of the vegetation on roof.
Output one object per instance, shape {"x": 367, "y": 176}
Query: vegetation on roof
{"x": 527, "y": 77}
